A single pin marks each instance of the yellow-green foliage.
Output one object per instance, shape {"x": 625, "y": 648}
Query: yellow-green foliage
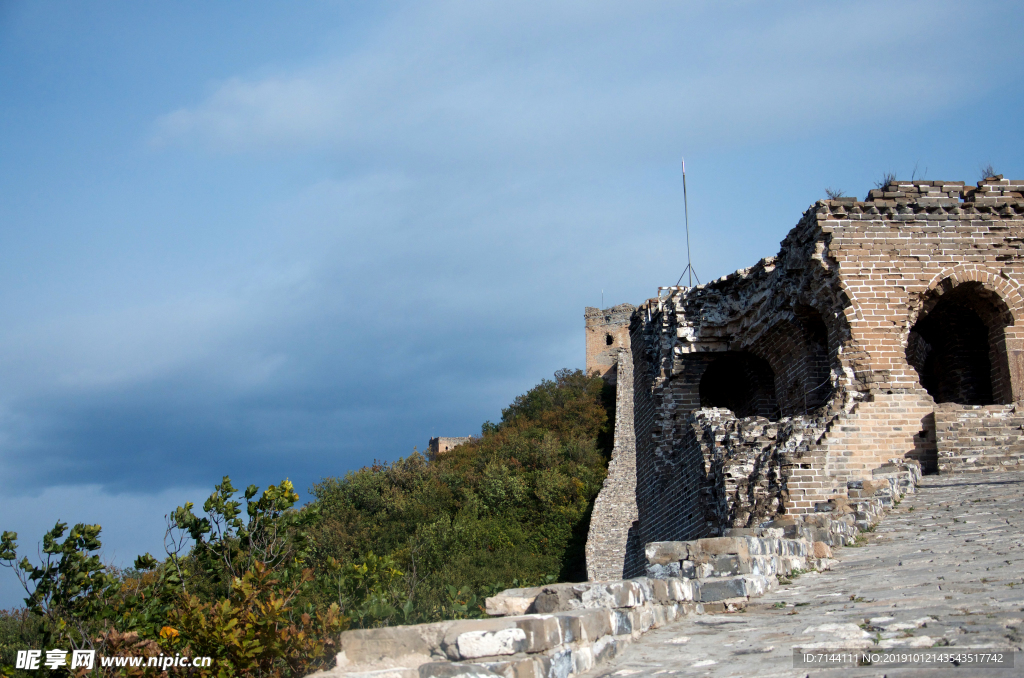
{"x": 251, "y": 632}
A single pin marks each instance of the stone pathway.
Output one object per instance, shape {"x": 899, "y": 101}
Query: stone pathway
{"x": 944, "y": 568}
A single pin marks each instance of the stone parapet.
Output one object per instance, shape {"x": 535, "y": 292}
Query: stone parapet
{"x": 561, "y": 630}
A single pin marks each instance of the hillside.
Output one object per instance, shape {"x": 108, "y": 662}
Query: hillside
{"x": 257, "y": 587}
{"x": 512, "y": 506}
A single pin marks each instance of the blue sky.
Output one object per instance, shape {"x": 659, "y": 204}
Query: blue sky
{"x": 286, "y": 239}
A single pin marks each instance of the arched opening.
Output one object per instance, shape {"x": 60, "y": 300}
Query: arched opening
{"x": 813, "y": 374}
{"x": 608, "y": 340}
{"x": 958, "y": 347}
{"x": 740, "y": 382}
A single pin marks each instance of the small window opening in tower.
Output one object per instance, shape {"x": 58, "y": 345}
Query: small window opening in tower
{"x": 608, "y": 339}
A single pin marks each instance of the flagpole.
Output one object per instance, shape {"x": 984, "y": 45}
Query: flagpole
{"x": 686, "y": 212}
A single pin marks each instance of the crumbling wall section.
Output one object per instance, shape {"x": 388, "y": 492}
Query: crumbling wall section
{"x": 670, "y": 469}
{"x": 615, "y": 507}
{"x": 833, "y": 314}
{"x": 787, "y": 310}
{"x": 743, "y": 462}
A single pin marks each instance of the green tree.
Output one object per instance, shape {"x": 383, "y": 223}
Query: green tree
{"x": 70, "y": 590}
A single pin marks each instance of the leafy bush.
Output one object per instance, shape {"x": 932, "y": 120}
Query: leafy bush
{"x": 252, "y": 632}
{"x": 69, "y": 590}
{"x": 19, "y": 630}
{"x": 224, "y": 545}
{"x": 233, "y": 594}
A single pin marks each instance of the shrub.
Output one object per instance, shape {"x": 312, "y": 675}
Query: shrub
{"x": 253, "y": 632}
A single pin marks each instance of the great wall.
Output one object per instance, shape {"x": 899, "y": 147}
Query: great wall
{"x": 769, "y": 417}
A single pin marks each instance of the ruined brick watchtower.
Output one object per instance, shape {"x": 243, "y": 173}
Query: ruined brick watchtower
{"x": 607, "y": 331}
{"x": 885, "y": 331}
{"x": 441, "y": 445}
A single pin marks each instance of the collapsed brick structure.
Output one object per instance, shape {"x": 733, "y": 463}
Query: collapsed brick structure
{"x": 777, "y": 388}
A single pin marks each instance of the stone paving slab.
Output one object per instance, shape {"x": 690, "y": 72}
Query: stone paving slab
{"x": 945, "y": 568}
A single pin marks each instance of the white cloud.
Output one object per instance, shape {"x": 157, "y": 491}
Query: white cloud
{"x": 530, "y": 82}
{"x": 294, "y": 109}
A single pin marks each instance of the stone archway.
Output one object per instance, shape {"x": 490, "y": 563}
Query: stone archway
{"x": 957, "y": 344}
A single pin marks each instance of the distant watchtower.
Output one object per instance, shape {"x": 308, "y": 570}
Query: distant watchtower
{"x": 439, "y": 445}
{"x": 607, "y": 331}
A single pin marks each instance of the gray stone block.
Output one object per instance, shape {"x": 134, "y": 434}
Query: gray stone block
{"x": 712, "y": 590}
{"x": 606, "y": 649}
{"x": 542, "y": 632}
{"x": 554, "y": 598}
{"x": 665, "y": 552}
{"x": 476, "y": 638}
{"x": 585, "y": 626}
{"x": 511, "y": 602}
{"x": 385, "y": 645}
{"x": 622, "y": 623}
{"x": 626, "y": 594}
{"x": 560, "y": 665}
{"x": 664, "y": 571}
{"x": 728, "y": 565}
{"x": 396, "y": 672}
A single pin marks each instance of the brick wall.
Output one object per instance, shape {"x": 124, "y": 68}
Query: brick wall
{"x": 890, "y": 425}
{"x": 670, "y": 468}
{"x": 900, "y": 253}
{"x": 979, "y": 438}
{"x": 615, "y": 507}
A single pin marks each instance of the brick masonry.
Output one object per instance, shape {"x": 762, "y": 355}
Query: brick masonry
{"x": 615, "y": 507}
{"x": 980, "y": 438}
{"x": 771, "y": 389}
{"x": 607, "y": 331}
